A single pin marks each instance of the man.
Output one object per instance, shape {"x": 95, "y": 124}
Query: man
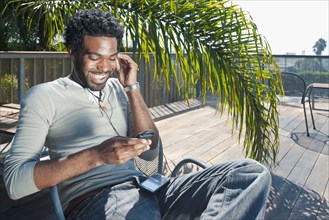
{"x": 88, "y": 122}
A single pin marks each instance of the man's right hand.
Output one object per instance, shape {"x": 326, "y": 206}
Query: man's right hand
{"x": 119, "y": 150}
{"x": 116, "y": 150}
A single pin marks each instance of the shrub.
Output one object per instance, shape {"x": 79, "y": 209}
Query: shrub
{"x": 9, "y": 88}
{"x": 294, "y": 88}
{"x": 310, "y": 77}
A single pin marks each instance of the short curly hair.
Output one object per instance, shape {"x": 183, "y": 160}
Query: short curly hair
{"x": 93, "y": 22}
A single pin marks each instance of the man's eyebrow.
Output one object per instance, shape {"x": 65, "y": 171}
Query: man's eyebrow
{"x": 92, "y": 53}
{"x": 95, "y": 53}
{"x": 116, "y": 53}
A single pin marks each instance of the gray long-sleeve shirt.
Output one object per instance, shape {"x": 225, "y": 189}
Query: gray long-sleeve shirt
{"x": 64, "y": 117}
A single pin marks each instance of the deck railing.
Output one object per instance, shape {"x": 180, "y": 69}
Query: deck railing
{"x": 22, "y": 70}
{"x": 313, "y": 69}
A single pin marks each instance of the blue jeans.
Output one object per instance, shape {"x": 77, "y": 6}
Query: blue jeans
{"x": 232, "y": 190}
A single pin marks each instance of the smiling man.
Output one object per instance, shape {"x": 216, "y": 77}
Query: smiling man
{"x": 89, "y": 121}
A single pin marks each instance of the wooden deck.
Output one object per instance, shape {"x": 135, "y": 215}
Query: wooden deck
{"x": 300, "y": 181}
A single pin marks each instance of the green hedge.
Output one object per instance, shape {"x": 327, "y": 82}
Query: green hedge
{"x": 9, "y": 88}
{"x": 311, "y": 77}
{"x": 293, "y": 86}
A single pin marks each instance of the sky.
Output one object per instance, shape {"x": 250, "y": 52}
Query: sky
{"x": 290, "y": 26}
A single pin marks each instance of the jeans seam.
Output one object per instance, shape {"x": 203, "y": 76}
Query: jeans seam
{"x": 226, "y": 194}
{"x": 115, "y": 212}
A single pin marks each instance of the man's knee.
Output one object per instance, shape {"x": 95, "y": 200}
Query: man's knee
{"x": 251, "y": 169}
{"x": 254, "y": 167}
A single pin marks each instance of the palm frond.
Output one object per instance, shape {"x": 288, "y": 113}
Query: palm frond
{"x": 216, "y": 45}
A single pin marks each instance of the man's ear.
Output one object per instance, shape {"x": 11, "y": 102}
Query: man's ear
{"x": 72, "y": 55}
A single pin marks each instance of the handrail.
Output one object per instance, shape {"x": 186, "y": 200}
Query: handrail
{"x": 304, "y": 84}
{"x": 40, "y": 67}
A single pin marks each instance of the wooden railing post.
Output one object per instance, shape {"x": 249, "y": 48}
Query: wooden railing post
{"x": 21, "y": 79}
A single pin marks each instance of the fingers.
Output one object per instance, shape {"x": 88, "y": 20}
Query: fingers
{"x": 119, "y": 150}
{"x": 126, "y": 69}
{"x": 120, "y": 68}
{"x": 130, "y": 149}
{"x": 136, "y": 146}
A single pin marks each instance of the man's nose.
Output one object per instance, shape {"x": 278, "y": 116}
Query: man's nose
{"x": 104, "y": 65}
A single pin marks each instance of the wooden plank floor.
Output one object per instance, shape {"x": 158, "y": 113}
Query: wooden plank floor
{"x": 300, "y": 180}
{"x": 300, "y": 188}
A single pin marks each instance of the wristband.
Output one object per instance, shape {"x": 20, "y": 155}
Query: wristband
{"x": 132, "y": 87}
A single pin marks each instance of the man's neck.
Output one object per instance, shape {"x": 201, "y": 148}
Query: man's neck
{"x": 75, "y": 77}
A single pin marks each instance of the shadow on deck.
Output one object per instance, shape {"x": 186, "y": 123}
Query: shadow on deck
{"x": 300, "y": 181}
{"x": 288, "y": 200}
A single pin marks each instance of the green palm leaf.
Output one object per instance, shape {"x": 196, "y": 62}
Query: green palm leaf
{"x": 215, "y": 44}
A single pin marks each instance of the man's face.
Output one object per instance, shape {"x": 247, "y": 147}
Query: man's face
{"x": 97, "y": 61}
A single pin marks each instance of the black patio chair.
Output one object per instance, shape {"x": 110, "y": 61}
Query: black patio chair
{"x": 294, "y": 85}
{"x": 157, "y": 165}
{"x": 307, "y": 98}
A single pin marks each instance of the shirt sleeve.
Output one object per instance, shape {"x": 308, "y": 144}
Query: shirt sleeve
{"x": 27, "y": 144}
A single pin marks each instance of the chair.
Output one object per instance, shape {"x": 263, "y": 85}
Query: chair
{"x": 147, "y": 167}
{"x": 295, "y": 87}
{"x": 306, "y": 98}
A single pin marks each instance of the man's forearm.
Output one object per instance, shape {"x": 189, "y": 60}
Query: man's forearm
{"x": 141, "y": 116}
{"x": 51, "y": 172}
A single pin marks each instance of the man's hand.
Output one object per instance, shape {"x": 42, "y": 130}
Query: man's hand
{"x": 127, "y": 70}
{"x": 119, "y": 150}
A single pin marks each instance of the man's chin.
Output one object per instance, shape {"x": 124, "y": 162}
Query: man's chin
{"x": 96, "y": 87}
